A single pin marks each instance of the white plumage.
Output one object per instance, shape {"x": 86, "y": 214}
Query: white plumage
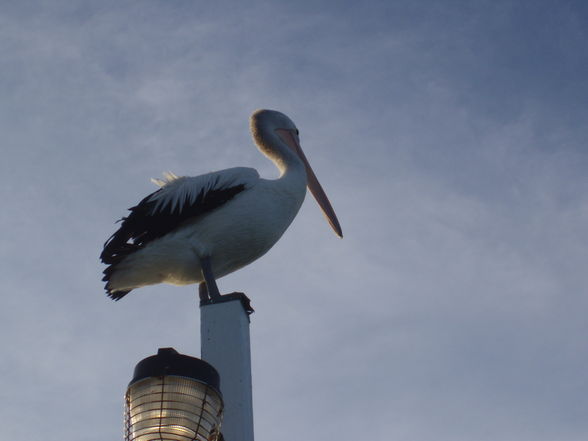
{"x": 197, "y": 229}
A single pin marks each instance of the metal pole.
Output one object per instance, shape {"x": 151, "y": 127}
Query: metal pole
{"x": 225, "y": 344}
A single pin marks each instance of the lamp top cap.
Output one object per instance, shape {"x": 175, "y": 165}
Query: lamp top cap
{"x": 168, "y": 361}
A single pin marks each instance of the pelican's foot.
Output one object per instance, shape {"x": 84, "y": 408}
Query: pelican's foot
{"x": 206, "y": 300}
{"x": 245, "y": 301}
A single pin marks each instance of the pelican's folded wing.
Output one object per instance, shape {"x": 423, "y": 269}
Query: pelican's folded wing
{"x": 178, "y": 200}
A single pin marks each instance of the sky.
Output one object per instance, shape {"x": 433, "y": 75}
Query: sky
{"x": 451, "y": 138}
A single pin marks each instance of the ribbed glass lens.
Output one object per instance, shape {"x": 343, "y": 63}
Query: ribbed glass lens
{"x": 172, "y": 408}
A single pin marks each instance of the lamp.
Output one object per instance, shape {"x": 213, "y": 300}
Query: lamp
{"x": 173, "y": 397}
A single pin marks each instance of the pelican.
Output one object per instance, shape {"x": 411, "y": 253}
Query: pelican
{"x": 198, "y": 229}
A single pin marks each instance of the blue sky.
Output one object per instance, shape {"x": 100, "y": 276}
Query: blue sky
{"x": 451, "y": 138}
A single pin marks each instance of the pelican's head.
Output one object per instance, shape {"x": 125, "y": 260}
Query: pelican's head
{"x": 271, "y": 130}
{"x": 265, "y": 125}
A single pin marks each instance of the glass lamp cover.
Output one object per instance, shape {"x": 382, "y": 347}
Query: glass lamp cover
{"x": 173, "y": 406}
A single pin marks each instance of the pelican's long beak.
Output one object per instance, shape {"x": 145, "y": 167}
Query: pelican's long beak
{"x": 291, "y": 138}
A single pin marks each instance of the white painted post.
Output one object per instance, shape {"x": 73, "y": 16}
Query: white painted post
{"x": 225, "y": 344}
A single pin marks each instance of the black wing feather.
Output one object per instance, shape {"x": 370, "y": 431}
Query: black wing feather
{"x": 145, "y": 224}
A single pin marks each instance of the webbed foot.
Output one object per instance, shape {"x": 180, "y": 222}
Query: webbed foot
{"x": 206, "y": 300}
